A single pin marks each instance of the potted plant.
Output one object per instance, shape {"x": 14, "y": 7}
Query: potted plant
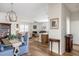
{"x": 12, "y": 36}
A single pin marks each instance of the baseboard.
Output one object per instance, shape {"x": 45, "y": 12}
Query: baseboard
{"x": 76, "y": 44}
{"x": 63, "y": 53}
{"x": 76, "y": 50}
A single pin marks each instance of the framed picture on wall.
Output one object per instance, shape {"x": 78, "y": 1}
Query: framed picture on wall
{"x": 54, "y": 23}
{"x": 34, "y": 27}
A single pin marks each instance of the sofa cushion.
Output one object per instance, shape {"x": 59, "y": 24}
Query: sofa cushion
{"x": 1, "y": 47}
{"x": 6, "y": 42}
{"x": 4, "y": 47}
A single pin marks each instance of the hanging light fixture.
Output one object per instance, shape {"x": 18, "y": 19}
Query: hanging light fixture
{"x": 12, "y": 14}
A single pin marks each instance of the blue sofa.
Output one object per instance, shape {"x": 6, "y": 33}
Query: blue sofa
{"x": 8, "y": 50}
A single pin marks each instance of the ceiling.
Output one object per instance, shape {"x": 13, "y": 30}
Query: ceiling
{"x": 34, "y": 11}
{"x": 30, "y": 11}
{"x": 73, "y": 7}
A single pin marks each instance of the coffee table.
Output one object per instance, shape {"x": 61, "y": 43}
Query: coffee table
{"x": 15, "y": 43}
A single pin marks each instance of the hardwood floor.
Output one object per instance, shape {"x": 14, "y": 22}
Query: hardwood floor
{"x": 75, "y": 51}
{"x": 38, "y": 49}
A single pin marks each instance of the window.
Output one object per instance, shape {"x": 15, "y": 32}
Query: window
{"x": 23, "y": 28}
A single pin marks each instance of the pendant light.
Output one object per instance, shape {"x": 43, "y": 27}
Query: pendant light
{"x": 12, "y": 14}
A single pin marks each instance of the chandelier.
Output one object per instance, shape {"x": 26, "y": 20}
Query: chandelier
{"x": 12, "y": 14}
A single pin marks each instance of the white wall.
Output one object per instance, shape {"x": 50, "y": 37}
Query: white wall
{"x": 54, "y": 11}
{"x": 64, "y": 26}
{"x": 68, "y": 28}
{"x": 40, "y": 26}
{"x": 58, "y": 11}
{"x": 44, "y": 24}
{"x": 3, "y": 17}
{"x": 75, "y": 27}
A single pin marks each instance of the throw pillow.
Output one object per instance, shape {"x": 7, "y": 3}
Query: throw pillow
{"x": 6, "y": 42}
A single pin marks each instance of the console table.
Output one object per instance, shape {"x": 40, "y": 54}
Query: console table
{"x": 51, "y": 40}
